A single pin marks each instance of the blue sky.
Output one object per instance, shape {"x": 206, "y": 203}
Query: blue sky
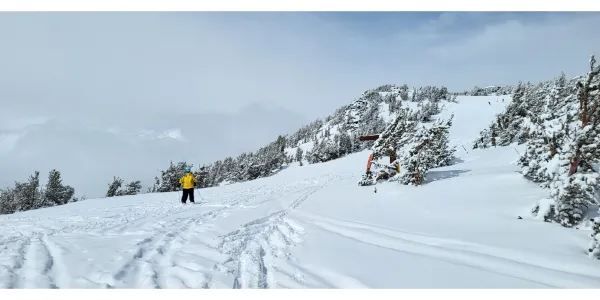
{"x": 113, "y": 86}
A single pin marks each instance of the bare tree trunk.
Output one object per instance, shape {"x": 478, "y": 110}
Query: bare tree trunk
{"x": 575, "y": 162}
{"x": 553, "y": 150}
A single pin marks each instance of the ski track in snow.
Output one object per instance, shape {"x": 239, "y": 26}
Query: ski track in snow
{"x": 166, "y": 258}
{"x": 501, "y": 261}
{"x": 253, "y": 247}
{"x": 34, "y": 265}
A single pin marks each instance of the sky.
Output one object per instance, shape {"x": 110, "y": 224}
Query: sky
{"x": 97, "y": 95}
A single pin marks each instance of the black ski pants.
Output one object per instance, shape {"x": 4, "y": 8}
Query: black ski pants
{"x": 186, "y": 193}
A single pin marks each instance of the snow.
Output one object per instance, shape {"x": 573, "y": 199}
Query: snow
{"x": 384, "y": 112}
{"x": 306, "y": 147}
{"x": 471, "y": 115}
{"x": 312, "y": 226}
{"x": 413, "y": 106}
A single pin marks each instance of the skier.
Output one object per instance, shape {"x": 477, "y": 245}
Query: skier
{"x": 188, "y": 182}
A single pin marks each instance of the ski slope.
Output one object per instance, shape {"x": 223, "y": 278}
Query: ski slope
{"x": 314, "y": 227}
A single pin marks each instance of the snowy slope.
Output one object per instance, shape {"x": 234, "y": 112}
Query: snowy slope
{"x": 312, "y": 226}
{"x": 471, "y": 115}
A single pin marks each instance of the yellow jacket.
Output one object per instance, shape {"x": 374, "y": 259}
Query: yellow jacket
{"x": 188, "y": 181}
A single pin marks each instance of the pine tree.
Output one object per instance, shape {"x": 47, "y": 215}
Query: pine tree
{"x": 8, "y": 204}
{"x": 532, "y": 160}
{"x": 577, "y": 194}
{"x": 397, "y": 130}
{"x": 324, "y": 151}
{"x": 56, "y": 193}
{"x": 28, "y": 195}
{"x": 169, "y": 180}
{"x": 427, "y": 109}
{"x": 299, "y": 155}
{"x": 155, "y": 185}
{"x": 202, "y": 174}
{"x": 132, "y": 188}
{"x": 114, "y": 187}
{"x": 344, "y": 142}
{"x": 403, "y": 92}
{"x": 581, "y": 185}
{"x": 413, "y": 169}
{"x": 440, "y": 152}
{"x": 425, "y": 149}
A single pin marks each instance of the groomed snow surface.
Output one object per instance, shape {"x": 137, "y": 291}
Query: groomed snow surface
{"x": 312, "y": 226}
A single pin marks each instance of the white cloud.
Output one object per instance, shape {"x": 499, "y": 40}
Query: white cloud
{"x": 119, "y": 93}
{"x": 174, "y": 134}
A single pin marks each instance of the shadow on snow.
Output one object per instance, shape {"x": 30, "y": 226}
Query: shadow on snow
{"x": 432, "y": 176}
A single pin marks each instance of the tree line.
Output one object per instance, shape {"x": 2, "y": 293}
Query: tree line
{"x": 31, "y": 194}
{"x": 559, "y": 122}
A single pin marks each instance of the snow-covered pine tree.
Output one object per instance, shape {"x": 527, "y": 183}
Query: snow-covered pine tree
{"x": 299, "y": 155}
{"x": 202, "y": 174}
{"x": 489, "y": 91}
{"x": 578, "y": 192}
{"x": 440, "y": 151}
{"x": 56, "y": 193}
{"x": 114, "y": 187}
{"x": 533, "y": 160}
{"x": 8, "y": 204}
{"x": 427, "y": 148}
{"x": 132, "y": 188}
{"x": 580, "y": 187}
{"x": 427, "y": 109}
{"x": 413, "y": 168}
{"x": 324, "y": 151}
{"x": 344, "y": 144}
{"x": 169, "y": 178}
{"x": 485, "y": 138}
{"x": 28, "y": 194}
{"x": 403, "y": 92}
{"x": 510, "y": 127}
{"x": 155, "y": 185}
{"x": 276, "y": 155}
{"x": 403, "y": 124}
{"x": 543, "y": 154}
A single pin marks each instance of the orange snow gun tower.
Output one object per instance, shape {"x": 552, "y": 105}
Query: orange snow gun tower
{"x": 369, "y": 162}
{"x": 369, "y": 138}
